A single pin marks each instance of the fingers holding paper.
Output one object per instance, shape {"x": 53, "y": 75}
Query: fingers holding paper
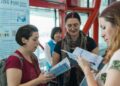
{"x": 83, "y": 63}
{"x": 45, "y": 78}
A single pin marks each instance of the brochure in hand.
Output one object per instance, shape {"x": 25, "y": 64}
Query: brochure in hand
{"x": 94, "y": 59}
{"x": 60, "y": 68}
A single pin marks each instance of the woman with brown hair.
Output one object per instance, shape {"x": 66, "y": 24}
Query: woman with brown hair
{"x": 27, "y": 71}
{"x": 74, "y": 38}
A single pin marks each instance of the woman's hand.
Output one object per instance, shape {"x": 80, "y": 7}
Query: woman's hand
{"x": 45, "y": 78}
{"x": 83, "y": 63}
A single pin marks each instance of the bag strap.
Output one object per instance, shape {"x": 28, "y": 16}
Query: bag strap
{"x": 34, "y": 58}
{"x": 20, "y": 58}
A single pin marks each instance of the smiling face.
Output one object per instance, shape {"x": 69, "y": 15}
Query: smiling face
{"x": 57, "y": 36}
{"x": 31, "y": 43}
{"x": 73, "y": 26}
{"x": 107, "y": 30}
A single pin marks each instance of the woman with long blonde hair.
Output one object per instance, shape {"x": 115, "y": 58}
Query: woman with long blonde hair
{"x": 109, "y": 75}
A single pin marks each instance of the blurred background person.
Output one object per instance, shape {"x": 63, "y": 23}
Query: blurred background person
{"x": 50, "y": 45}
{"x": 49, "y": 50}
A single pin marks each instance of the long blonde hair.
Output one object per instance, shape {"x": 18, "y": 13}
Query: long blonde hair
{"x": 112, "y": 15}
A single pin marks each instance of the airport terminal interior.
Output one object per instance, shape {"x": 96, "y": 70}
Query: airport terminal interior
{"x": 45, "y": 15}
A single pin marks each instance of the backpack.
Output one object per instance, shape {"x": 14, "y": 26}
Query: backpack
{"x": 3, "y": 79}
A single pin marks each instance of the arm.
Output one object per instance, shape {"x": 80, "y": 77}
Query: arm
{"x": 112, "y": 79}
{"x": 95, "y": 50}
{"x": 89, "y": 77}
{"x": 92, "y": 46}
{"x": 85, "y": 66}
{"x": 14, "y": 77}
{"x": 55, "y": 58}
{"x": 56, "y": 55}
{"x": 113, "y": 73}
{"x": 14, "y": 74}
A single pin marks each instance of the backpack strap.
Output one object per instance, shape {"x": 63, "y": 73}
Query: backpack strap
{"x": 19, "y": 57}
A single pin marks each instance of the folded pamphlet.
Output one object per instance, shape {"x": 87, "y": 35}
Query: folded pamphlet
{"x": 60, "y": 68}
{"x": 94, "y": 59}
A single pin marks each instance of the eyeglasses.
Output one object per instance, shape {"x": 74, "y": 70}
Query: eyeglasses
{"x": 76, "y": 25}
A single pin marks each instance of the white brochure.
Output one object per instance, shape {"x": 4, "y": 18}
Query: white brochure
{"x": 60, "y": 68}
{"x": 94, "y": 59}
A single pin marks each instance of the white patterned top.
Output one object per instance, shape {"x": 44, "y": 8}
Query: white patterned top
{"x": 113, "y": 64}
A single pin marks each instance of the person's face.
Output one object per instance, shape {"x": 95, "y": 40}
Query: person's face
{"x": 57, "y": 36}
{"x": 107, "y": 30}
{"x": 72, "y": 25}
{"x": 32, "y": 43}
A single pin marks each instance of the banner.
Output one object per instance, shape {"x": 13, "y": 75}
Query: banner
{"x": 13, "y": 14}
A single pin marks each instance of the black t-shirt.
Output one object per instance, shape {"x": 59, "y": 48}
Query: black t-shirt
{"x": 90, "y": 45}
